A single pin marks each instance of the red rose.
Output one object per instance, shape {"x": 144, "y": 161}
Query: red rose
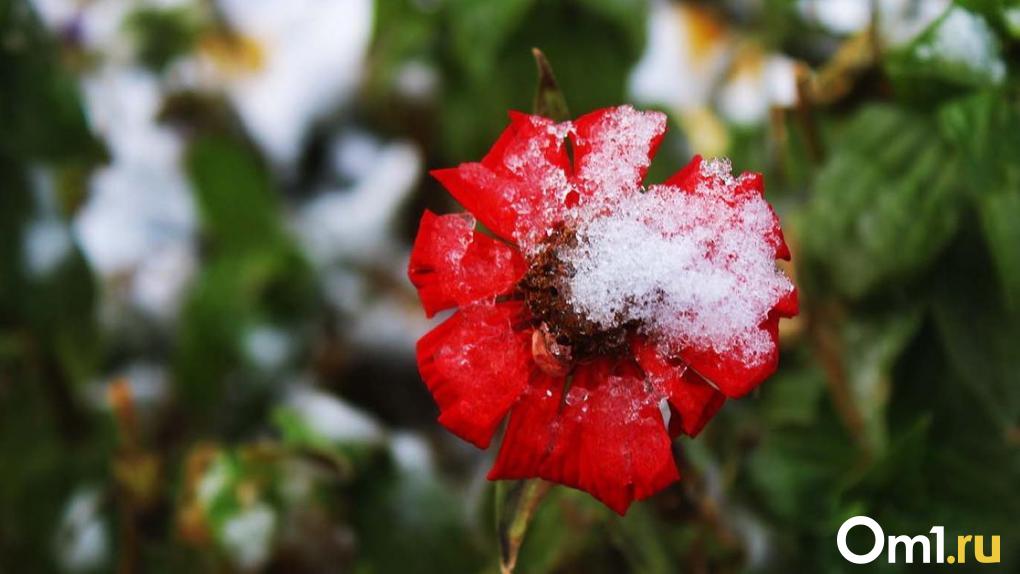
{"x": 604, "y": 317}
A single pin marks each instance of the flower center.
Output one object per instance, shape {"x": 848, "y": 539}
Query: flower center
{"x": 569, "y": 335}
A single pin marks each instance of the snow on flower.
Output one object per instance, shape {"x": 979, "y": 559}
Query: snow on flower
{"x": 598, "y": 302}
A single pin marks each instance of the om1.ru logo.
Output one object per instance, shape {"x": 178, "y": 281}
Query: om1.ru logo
{"x": 909, "y": 544}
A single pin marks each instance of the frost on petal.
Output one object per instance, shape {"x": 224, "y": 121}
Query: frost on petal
{"x": 693, "y": 400}
{"x": 694, "y": 267}
{"x": 533, "y": 152}
{"x": 729, "y": 372}
{"x": 485, "y": 194}
{"x": 687, "y": 178}
{"x": 522, "y": 186}
{"x": 476, "y": 365}
{"x": 613, "y": 148}
{"x": 452, "y": 264}
{"x": 606, "y": 438}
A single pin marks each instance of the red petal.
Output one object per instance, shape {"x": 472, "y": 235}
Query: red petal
{"x": 476, "y": 365}
{"x": 607, "y": 438}
{"x": 613, "y": 148}
{"x": 452, "y": 264}
{"x": 753, "y": 184}
{"x": 789, "y": 305}
{"x": 484, "y": 193}
{"x": 694, "y": 401}
{"x": 729, "y": 372}
{"x": 530, "y": 148}
{"x": 750, "y": 183}
{"x": 687, "y": 178}
{"x": 520, "y": 188}
{"x": 531, "y": 431}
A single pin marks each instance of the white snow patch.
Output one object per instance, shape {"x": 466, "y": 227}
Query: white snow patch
{"x": 268, "y": 347}
{"x": 694, "y": 269}
{"x": 613, "y": 163}
{"x": 355, "y": 223}
{"x": 900, "y": 21}
{"x": 333, "y": 419}
{"x": 140, "y": 205}
{"x": 746, "y": 97}
{"x": 314, "y": 59}
{"x": 839, "y": 16}
{"x": 965, "y": 39}
{"x": 82, "y": 541}
{"x": 46, "y": 244}
{"x": 161, "y": 279}
{"x": 617, "y": 151}
{"x": 412, "y": 454}
{"x": 148, "y": 382}
{"x": 248, "y": 536}
{"x": 675, "y": 69}
{"x": 1012, "y": 18}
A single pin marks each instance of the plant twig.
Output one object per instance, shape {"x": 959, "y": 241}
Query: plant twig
{"x": 515, "y": 507}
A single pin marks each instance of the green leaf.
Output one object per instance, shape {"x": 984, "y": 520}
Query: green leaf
{"x": 960, "y": 48}
{"x": 479, "y": 29}
{"x": 1000, "y": 213}
{"x": 549, "y": 545}
{"x": 795, "y": 470}
{"x": 255, "y": 276}
{"x": 641, "y": 538}
{"x": 630, "y": 14}
{"x": 594, "y": 60}
{"x": 872, "y": 346}
{"x": 792, "y": 397}
{"x": 885, "y": 203}
{"x": 979, "y": 334}
{"x": 43, "y": 116}
{"x": 986, "y": 128}
{"x": 163, "y": 34}
{"x": 412, "y": 520}
{"x": 238, "y": 207}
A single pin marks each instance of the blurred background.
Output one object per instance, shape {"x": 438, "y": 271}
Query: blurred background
{"x": 206, "y": 332}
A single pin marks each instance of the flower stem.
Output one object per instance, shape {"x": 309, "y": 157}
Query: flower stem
{"x": 516, "y": 503}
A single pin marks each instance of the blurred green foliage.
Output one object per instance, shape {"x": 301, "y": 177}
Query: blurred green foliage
{"x": 898, "y": 394}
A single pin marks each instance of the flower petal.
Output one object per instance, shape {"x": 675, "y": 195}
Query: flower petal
{"x": 521, "y": 187}
{"x": 752, "y": 183}
{"x": 606, "y": 438}
{"x": 452, "y": 264}
{"x": 789, "y": 305}
{"x": 531, "y": 431}
{"x": 731, "y": 373}
{"x": 476, "y": 364}
{"x": 687, "y": 178}
{"x": 693, "y": 400}
{"x": 613, "y": 148}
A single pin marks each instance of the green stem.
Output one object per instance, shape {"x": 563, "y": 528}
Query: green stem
{"x": 516, "y": 503}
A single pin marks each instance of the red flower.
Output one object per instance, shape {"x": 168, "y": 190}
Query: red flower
{"x": 604, "y": 317}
